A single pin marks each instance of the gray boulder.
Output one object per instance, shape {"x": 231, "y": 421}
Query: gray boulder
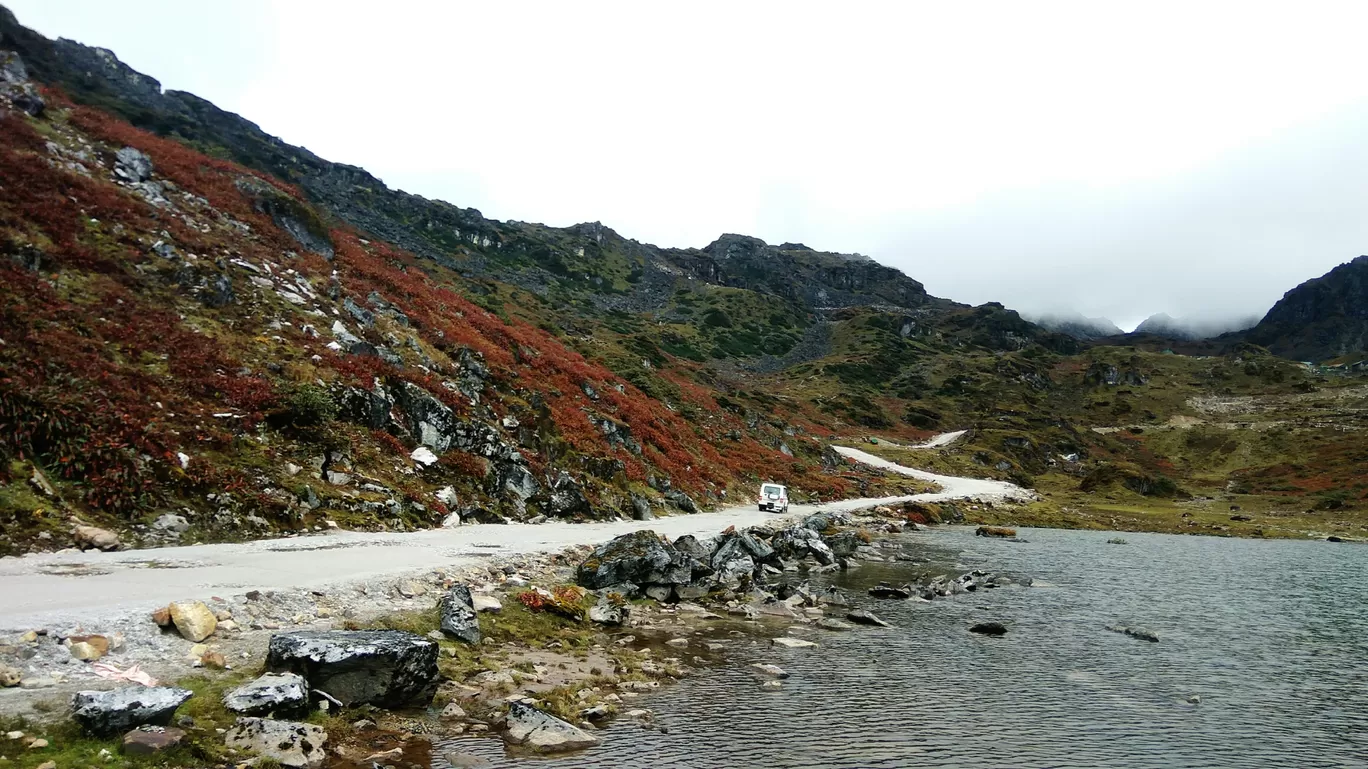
{"x": 280, "y": 694}
{"x": 640, "y": 558}
{"x": 820, "y": 522}
{"x": 542, "y": 732}
{"x": 606, "y": 612}
{"x": 797, "y": 542}
{"x": 132, "y": 165}
{"x": 388, "y": 668}
{"x": 641, "y": 508}
{"x": 285, "y": 742}
{"x": 845, "y": 544}
{"x": 682, "y": 501}
{"x": 16, "y": 86}
{"x": 458, "y": 615}
{"x": 113, "y": 712}
{"x": 863, "y": 617}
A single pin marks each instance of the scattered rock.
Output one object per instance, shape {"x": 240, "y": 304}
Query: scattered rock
{"x": 412, "y": 589}
{"x": 9, "y": 676}
{"x": 388, "y": 668}
{"x": 677, "y": 642}
{"x": 460, "y": 760}
{"x": 770, "y": 670}
{"x": 639, "y": 558}
{"x": 149, "y": 740}
{"x": 193, "y": 619}
{"x": 772, "y": 685}
{"x": 791, "y": 643}
{"x": 831, "y": 623}
{"x": 606, "y": 612}
{"x": 862, "y": 617}
{"x": 884, "y": 590}
{"x": 484, "y": 603}
{"x": 458, "y": 615}
{"x": 132, "y": 165}
{"x": 280, "y": 694}
{"x": 995, "y": 531}
{"x": 989, "y": 628}
{"x": 540, "y": 731}
{"x": 89, "y": 650}
{"x": 287, "y": 742}
{"x": 90, "y": 537}
{"x": 108, "y": 713}
{"x": 1140, "y": 633}
{"x": 453, "y": 712}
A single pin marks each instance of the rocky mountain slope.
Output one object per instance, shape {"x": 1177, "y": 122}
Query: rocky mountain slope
{"x": 1323, "y": 318}
{"x": 209, "y": 333}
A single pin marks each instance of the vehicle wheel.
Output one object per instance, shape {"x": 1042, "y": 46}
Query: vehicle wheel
{"x": 762, "y": 508}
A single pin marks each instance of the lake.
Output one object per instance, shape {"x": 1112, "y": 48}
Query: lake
{"x": 1271, "y": 636}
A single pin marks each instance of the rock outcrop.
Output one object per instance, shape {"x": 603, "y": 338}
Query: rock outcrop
{"x": 387, "y": 668}
{"x": 1322, "y": 318}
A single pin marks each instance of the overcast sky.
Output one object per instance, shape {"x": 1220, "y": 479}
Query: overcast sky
{"x": 1120, "y": 160}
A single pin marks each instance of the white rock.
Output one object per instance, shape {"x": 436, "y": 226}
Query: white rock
{"x": 423, "y": 456}
{"x": 286, "y": 742}
{"x": 485, "y": 603}
{"x": 792, "y": 643}
{"x": 543, "y": 732}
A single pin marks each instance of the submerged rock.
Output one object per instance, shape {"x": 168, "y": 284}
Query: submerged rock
{"x": 285, "y": 742}
{"x": 884, "y": 590}
{"x": 862, "y": 617}
{"x": 1139, "y": 633}
{"x": 458, "y": 615}
{"x": 540, "y": 731}
{"x": 388, "y": 668}
{"x": 108, "y": 713}
{"x": 273, "y": 693}
{"x": 989, "y": 628}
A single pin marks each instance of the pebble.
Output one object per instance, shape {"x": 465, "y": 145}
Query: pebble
{"x": 677, "y": 642}
{"x": 772, "y": 685}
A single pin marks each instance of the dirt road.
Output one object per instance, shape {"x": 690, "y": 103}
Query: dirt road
{"x": 85, "y": 588}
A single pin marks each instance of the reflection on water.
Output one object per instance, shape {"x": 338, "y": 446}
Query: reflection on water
{"x": 1271, "y": 636}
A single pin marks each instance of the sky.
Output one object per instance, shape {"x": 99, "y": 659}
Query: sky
{"x": 1117, "y": 160}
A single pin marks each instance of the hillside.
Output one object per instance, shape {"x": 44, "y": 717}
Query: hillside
{"x": 1326, "y": 317}
{"x": 204, "y": 327}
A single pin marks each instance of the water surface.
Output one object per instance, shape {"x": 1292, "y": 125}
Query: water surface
{"x": 1272, "y": 636}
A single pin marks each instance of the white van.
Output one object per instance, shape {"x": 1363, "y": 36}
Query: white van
{"x": 773, "y": 498}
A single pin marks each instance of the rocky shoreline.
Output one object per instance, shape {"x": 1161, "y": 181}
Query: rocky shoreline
{"x": 541, "y": 651}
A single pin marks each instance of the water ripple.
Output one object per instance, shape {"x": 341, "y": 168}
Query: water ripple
{"x": 1271, "y": 636}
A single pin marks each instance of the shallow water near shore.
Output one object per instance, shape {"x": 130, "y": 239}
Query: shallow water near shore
{"x": 1271, "y": 635}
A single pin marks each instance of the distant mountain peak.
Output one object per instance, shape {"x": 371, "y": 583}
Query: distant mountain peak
{"x": 1322, "y": 318}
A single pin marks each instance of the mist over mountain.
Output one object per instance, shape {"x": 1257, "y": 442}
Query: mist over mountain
{"x": 1192, "y": 329}
{"x": 1075, "y": 324}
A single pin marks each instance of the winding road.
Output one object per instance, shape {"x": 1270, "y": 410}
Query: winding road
{"x": 41, "y": 590}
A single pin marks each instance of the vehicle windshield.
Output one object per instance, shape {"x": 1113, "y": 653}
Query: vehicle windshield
{"x": 772, "y": 491}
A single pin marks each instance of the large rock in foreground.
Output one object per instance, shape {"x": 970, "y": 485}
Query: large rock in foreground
{"x": 536, "y": 730}
{"x": 458, "y": 615}
{"x": 113, "y": 712}
{"x": 388, "y": 668}
{"x": 280, "y": 694}
{"x": 285, "y": 742}
{"x": 639, "y": 558}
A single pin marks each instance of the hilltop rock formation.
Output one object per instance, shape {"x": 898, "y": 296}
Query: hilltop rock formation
{"x": 1325, "y": 317}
